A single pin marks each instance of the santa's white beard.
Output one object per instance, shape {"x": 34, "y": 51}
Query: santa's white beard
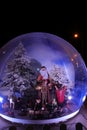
{"x": 44, "y": 74}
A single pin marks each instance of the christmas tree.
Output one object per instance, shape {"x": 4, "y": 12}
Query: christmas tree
{"x": 21, "y": 71}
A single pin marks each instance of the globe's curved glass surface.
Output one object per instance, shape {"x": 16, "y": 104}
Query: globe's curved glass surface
{"x": 44, "y": 74}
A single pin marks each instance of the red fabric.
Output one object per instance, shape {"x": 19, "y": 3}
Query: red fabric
{"x": 39, "y": 78}
{"x": 60, "y": 94}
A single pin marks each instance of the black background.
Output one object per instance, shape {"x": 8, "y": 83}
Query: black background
{"x": 59, "y": 18}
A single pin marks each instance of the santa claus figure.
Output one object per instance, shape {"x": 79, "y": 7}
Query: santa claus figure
{"x": 43, "y": 80}
{"x": 43, "y": 76}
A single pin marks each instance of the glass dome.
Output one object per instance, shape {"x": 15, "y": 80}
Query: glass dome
{"x": 45, "y": 75}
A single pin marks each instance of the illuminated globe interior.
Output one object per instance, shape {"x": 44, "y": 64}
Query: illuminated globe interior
{"x": 44, "y": 75}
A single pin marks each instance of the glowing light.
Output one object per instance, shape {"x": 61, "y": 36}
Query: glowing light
{"x": 70, "y": 97}
{"x": 1, "y": 99}
{"x": 76, "y": 35}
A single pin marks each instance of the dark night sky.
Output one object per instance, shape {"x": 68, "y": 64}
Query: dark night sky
{"x": 61, "y": 19}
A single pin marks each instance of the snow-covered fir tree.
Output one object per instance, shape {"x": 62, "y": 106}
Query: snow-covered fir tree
{"x": 58, "y": 74}
{"x": 20, "y": 73}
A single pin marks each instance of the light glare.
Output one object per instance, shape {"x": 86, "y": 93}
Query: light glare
{"x": 1, "y": 99}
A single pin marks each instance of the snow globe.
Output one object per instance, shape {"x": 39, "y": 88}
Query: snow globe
{"x": 42, "y": 79}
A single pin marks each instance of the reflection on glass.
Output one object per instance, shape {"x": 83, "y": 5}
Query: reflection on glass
{"x": 43, "y": 75}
